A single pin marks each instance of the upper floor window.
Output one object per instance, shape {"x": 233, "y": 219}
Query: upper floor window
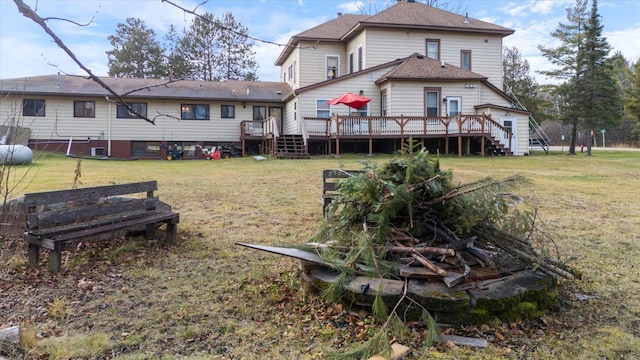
{"x": 332, "y": 66}
{"x": 360, "y": 58}
{"x": 194, "y": 112}
{"x": 351, "y": 63}
{"x": 84, "y": 109}
{"x": 123, "y": 111}
{"x": 323, "y": 109}
{"x": 228, "y": 111}
{"x": 294, "y": 71}
{"x": 33, "y": 107}
{"x": 465, "y": 59}
{"x": 290, "y": 72}
{"x": 259, "y": 112}
{"x": 433, "y": 48}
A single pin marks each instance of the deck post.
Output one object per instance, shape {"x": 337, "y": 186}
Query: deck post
{"x": 484, "y": 120}
{"x": 337, "y": 135}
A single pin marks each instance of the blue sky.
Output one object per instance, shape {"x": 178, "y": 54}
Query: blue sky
{"x": 26, "y": 50}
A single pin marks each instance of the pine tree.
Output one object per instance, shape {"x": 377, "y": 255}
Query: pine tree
{"x": 518, "y": 82}
{"x": 200, "y": 47}
{"x": 177, "y": 66}
{"x": 565, "y": 57}
{"x": 597, "y": 99}
{"x": 237, "y": 58}
{"x": 136, "y": 53}
{"x": 633, "y": 104}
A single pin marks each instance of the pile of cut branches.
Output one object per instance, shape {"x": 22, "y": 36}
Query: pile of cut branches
{"x": 408, "y": 211}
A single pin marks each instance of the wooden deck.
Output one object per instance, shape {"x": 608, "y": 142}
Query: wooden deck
{"x": 490, "y": 135}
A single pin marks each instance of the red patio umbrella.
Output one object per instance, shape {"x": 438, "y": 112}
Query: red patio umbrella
{"x": 351, "y": 100}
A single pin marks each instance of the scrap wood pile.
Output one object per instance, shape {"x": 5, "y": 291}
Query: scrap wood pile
{"x": 407, "y": 218}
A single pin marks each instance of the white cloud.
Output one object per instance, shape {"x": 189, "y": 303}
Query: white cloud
{"x": 352, "y": 7}
{"x": 625, "y": 41}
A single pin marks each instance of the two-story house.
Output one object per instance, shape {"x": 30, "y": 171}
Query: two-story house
{"x": 431, "y": 75}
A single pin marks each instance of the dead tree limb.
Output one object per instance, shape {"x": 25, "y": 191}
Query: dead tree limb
{"x": 27, "y": 12}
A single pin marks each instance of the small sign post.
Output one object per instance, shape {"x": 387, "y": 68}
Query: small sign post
{"x": 603, "y": 131}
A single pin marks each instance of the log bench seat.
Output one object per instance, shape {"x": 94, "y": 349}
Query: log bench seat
{"x": 330, "y": 182}
{"x": 57, "y": 218}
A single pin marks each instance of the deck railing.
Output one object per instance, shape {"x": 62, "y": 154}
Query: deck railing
{"x": 337, "y": 126}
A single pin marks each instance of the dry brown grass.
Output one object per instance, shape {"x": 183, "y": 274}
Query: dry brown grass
{"x": 207, "y": 298}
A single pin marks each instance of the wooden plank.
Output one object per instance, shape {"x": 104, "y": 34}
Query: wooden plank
{"x": 290, "y": 252}
{"x": 84, "y": 213}
{"x": 49, "y": 241}
{"x": 398, "y": 351}
{"x": 106, "y": 220}
{"x": 418, "y": 272}
{"x": 91, "y": 193}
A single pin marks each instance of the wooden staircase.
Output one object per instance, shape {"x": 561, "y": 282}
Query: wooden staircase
{"x": 291, "y": 147}
{"x": 493, "y": 147}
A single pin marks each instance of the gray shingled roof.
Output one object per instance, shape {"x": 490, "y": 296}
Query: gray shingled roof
{"x": 406, "y": 15}
{"x": 333, "y": 30}
{"x": 419, "y": 67}
{"x": 421, "y": 16}
{"x": 67, "y": 85}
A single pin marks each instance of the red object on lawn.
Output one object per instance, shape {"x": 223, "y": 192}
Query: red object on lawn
{"x": 351, "y": 100}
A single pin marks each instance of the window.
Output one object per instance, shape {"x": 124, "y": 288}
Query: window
{"x": 383, "y": 103}
{"x": 363, "y": 111}
{"x": 145, "y": 148}
{"x": 33, "y": 107}
{"x": 433, "y": 48}
{"x": 259, "y": 112}
{"x": 290, "y": 72}
{"x": 454, "y": 104}
{"x": 228, "y": 111}
{"x": 295, "y": 111}
{"x": 194, "y": 112}
{"x": 360, "y": 58}
{"x": 332, "y": 67}
{"x": 323, "y": 109}
{"x": 351, "y": 63}
{"x": 432, "y": 102}
{"x": 124, "y": 113}
{"x": 465, "y": 59}
{"x": 85, "y": 109}
{"x": 294, "y": 71}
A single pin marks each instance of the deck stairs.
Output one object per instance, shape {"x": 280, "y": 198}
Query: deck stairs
{"x": 537, "y": 137}
{"x": 291, "y": 147}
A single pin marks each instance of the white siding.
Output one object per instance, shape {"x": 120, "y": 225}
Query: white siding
{"x": 312, "y": 61}
{"x": 384, "y": 45}
{"x": 352, "y": 47}
{"x": 60, "y": 124}
{"x": 292, "y": 60}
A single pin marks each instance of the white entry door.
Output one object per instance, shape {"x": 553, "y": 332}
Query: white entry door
{"x": 510, "y": 123}
{"x": 454, "y": 103}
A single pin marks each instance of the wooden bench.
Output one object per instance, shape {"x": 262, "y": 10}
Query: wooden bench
{"x": 330, "y": 180}
{"x": 57, "y": 218}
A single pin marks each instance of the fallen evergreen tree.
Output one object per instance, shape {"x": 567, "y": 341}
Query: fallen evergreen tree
{"x": 408, "y": 212}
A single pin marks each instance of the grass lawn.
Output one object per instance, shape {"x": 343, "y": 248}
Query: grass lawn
{"x": 206, "y": 298}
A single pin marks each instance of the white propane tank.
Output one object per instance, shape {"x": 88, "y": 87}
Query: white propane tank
{"x": 15, "y": 154}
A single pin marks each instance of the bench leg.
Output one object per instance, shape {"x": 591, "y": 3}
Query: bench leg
{"x": 34, "y": 254}
{"x": 172, "y": 232}
{"x": 55, "y": 259}
{"x": 150, "y": 231}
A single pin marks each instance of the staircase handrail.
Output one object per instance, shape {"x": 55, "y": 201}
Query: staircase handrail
{"x": 533, "y": 124}
{"x": 305, "y": 133}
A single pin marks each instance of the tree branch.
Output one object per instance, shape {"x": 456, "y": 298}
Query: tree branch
{"x": 27, "y": 12}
